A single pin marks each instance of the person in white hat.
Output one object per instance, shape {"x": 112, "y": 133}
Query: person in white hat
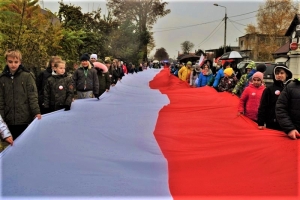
{"x": 93, "y": 58}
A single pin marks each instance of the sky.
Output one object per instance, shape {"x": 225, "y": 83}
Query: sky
{"x": 198, "y": 21}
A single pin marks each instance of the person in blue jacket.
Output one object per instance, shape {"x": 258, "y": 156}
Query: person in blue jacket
{"x": 205, "y": 75}
{"x": 220, "y": 74}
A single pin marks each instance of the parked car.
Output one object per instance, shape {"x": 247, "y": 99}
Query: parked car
{"x": 242, "y": 65}
{"x": 268, "y": 74}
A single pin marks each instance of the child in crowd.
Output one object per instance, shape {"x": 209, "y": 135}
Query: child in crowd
{"x": 103, "y": 77}
{"x": 250, "y": 99}
{"x": 42, "y": 80}
{"x": 243, "y": 81}
{"x": 266, "y": 110}
{"x": 228, "y": 82}
{"x": 220, "y": 74}
{"x": 194, "y": 75}
{"x": 86, "y": 79}
{"x": 204, "y": 76}
{"x": 185, "y": 72}
{"x": 5, "y": 133}
{"x": 288, "y": 109}
{"x": 18, "y": 98}
{"x": 59, "y": 90}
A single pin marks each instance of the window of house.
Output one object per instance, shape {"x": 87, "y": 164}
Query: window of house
{"x": 242, "y": 42}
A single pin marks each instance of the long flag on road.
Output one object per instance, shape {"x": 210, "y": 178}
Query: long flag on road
{"x": 151, "y": 137}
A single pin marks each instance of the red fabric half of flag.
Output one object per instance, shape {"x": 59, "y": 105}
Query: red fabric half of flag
{"x": 214, "y": 154}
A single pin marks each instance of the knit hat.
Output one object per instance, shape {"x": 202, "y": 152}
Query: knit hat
{"x": 189, "y": 63}
{"x": 228, "y": 71}
{"x": 84, "y": 57}
{"x": 94, "y": 56}
{"x": 258, "y": 75}
{"x": 261, "y": 67}
{"x": 251, "y": 65}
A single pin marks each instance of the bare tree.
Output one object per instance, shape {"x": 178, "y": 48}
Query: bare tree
{"x": 187, "y": 46}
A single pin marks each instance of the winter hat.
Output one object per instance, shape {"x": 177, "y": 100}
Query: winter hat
{"x": 189, "y": 63}
{"x": 261, "y": 67}
{"x": 84, "y": 57}
{"x": 251, "y": 65}
{"x": 285, "y": 68}
{"x": 258, "y": 75}
{"x": 228, "y": 71}
{"x": 94, "y": 56}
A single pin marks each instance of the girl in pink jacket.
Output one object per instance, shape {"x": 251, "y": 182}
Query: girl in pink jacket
{"x": 250, "y": 99}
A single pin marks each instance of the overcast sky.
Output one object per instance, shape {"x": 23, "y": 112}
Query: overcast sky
{"x": 198, "y": 21}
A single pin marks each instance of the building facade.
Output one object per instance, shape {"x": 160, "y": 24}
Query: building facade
{"x": 252, "y": 45}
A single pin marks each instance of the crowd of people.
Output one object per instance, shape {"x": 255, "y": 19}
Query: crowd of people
{"x": 274, "y": 107}
{"x": 24, "y": 97}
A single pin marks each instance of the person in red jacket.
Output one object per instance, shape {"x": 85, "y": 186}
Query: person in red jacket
{"x": 250, "y": 99}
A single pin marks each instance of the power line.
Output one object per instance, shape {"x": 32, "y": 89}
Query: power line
{"x": 244, "y": 14}
{"x": 257, "y": 10}
{"x": 235, "y": 27}
{"x": 245, "y": 18}
{"x": 210, "y": 34}
{"x": 181, "y": 27}
{"x": 238, "y": 23}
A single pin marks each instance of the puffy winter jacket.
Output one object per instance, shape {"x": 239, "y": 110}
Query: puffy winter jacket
{"x": 58, "y": 92}
{"x": 287, "y": 107}
{"x": 86, "y": 79}
{"x": 250, "y": 100}
{"x": 18, "y": 97}
{"x": 204, "y": 79}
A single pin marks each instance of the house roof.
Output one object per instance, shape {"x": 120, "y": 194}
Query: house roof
{"x": 294, "y": 23}
{"x": 283, "y": 49}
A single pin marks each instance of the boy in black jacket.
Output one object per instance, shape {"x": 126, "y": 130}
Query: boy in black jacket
{"x": 288, "y": 109}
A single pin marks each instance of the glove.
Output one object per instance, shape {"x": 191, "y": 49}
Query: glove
{"x": 97, "y": 96}
{"x": 67, "y": 107}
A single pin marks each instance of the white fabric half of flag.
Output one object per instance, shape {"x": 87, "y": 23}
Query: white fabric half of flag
{"x": 98, "y": 150}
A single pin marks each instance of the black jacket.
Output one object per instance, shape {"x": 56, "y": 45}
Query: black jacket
{"x": 41, "y": 82}
{"x": 288, "y": 107}
{"x": 18, "y": 96}
{"x": 58, "y": 92}
{"x": 266, "y": 110}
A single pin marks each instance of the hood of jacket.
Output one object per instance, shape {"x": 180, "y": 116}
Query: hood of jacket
{"x": 7, "y": 73}
{"x": 287, "y": 71}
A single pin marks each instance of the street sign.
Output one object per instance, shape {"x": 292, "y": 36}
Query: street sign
{"x": 294, "y": 46}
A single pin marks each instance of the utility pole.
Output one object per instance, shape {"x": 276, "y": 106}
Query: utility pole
{"x": 225, "y": 20}
{"x": 225, "y": 30}
{"x": 42, "y": 4}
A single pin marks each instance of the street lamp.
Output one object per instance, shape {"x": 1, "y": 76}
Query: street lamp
{"x": 215, "y": 4}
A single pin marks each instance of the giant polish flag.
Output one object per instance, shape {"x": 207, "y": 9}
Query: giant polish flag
{"x": 151, "y": 137}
